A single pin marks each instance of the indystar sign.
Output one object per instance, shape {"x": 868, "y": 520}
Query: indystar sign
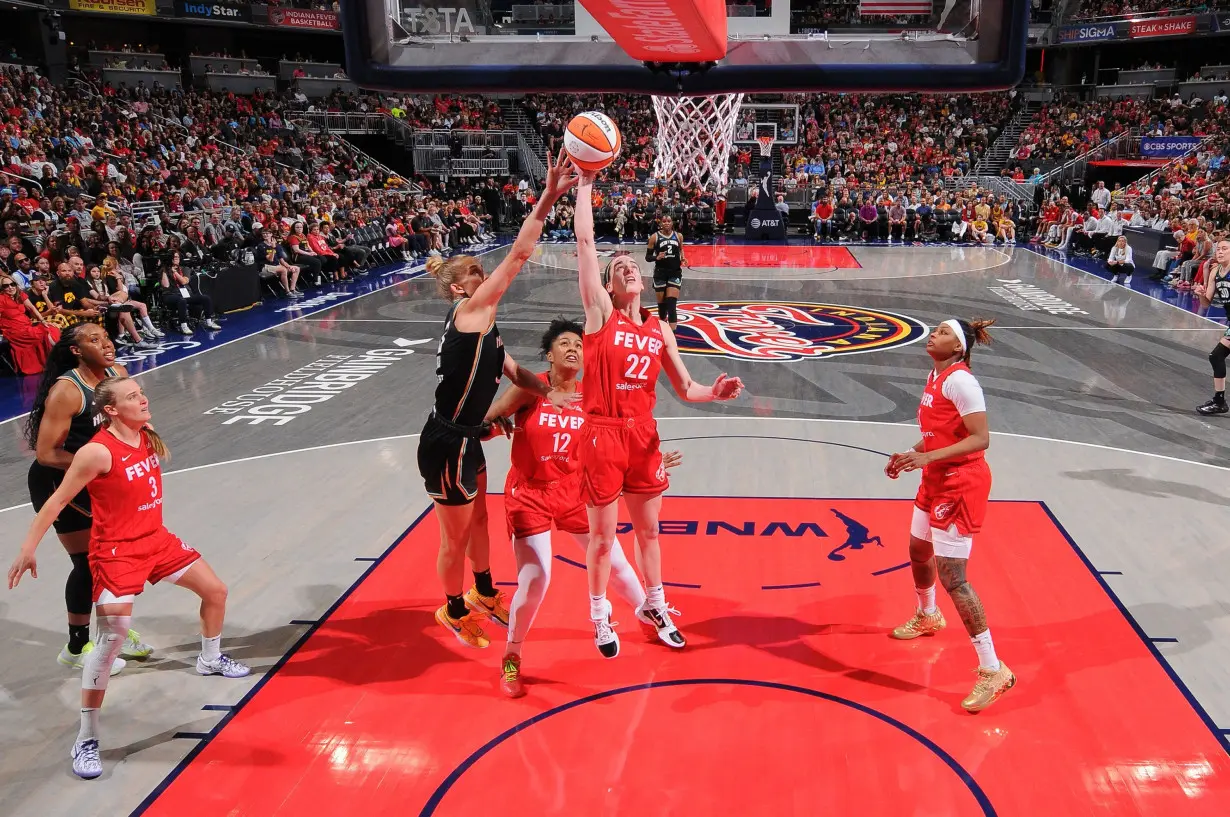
{"x": 225, "y": 12}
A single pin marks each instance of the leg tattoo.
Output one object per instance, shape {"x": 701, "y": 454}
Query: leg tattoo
{"x": 922, "y": 563}
{"x": 969, "y": 606}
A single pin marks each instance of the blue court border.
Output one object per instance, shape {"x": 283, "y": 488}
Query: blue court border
{"x": 1221, "y": 735}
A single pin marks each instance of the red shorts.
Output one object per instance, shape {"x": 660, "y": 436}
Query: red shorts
{"x": 532, "y": 507}
{"x": 621, "y": 455}
{"x": 955, "y": 495}
{"x": 124, "y": 567}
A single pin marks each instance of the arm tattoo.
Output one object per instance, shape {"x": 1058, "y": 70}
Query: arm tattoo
{"x": 969, "y": 606}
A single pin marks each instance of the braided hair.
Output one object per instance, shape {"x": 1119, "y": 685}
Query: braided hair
{"x": 60, "y": 360}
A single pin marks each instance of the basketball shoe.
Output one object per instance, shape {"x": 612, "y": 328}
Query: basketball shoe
{"x": 921, "y": 624}
{"x": 493, "y": 607}
{"x": 605, "y": 637}
{"x": 86, "y": 762}
{"x": 134, "y": 647}
{"x": 510, "y": 676}
{"x": 466, "y": 628}
{"x": 223, "y": 665}
{"x": 992, "y": 683}
{"x": 77, "y": 661}
{"x": 660, "y": 619}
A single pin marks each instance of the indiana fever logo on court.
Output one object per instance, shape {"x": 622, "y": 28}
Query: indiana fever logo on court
{"x": 780, "y": 331}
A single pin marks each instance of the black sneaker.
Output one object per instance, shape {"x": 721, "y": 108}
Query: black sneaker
{"x": 1213, "y": 407}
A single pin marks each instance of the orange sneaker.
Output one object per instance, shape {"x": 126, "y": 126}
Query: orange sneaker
{"x": 493, "y": 607}
{"x": 510, "y": 676}
{"x": 466, "y": 629}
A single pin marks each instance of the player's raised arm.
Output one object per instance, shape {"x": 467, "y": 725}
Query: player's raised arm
{"x": 560, "y": 179}
{"x": 594, "y": 297}
{"x": 724, "y": 388}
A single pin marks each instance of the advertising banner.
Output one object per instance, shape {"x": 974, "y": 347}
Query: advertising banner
{"x": 214, "y": 10}
{"x": 1163, "y": 27}
{"x": 304, "y": 18}
{"x": 1167, "y": 146}
{"x": 145, "y": 7}
{"x": 1087, "y": 33}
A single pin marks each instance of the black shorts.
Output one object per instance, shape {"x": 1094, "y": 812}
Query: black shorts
{"x": 667, "y": 278}
{"x": 43, "y": 481}
{"x": 450, "y": 463}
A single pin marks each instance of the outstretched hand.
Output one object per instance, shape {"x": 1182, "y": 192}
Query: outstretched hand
{"x": 727, "y": 388}
{"x": 563, "y": 399}
{"x": 561, "y": 177}
{"x": 23, "y": 562}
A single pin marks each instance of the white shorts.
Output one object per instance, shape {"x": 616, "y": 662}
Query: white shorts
{"x": 947, "y": 543}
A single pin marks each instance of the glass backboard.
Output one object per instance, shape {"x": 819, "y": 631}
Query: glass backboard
{"x": 770, "y": 46}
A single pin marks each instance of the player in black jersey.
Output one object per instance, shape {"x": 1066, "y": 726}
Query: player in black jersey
{"x": 469, "y": 364}
{"x": 666, "y": 251}
{"x": 60, "y": 422}
{"x": 1217, "y": 291}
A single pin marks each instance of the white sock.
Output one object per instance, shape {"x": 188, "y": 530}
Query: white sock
{"x": 986, "y": 650}
{"x": 89, "y": 725}
{"x": 597, "y": 608}
{"x": 926, "y": 599}
{"x": 624, "y": 581}
{"x": 655, "y": 597}
{"x": 211, "y": 648}
{"x": 147, "y": 323}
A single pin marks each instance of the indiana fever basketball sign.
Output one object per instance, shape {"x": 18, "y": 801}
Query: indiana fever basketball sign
{"x": 780, "y": 331}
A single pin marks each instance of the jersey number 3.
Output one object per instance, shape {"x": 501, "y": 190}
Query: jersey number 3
{"x": 638, "y": 367}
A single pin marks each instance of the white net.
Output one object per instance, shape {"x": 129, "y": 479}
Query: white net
{"x": 695, "y": 137}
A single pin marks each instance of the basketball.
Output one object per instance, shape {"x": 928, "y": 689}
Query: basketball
{"x": 592, "y": 140}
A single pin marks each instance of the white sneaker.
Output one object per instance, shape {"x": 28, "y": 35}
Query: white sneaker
{"x": 134, "y": 647}
{"x": 223, "y": 665}
{"x": 605, "y": 637}
{"x": 660, "y": 619}
{"x": 78, "y": 661}
{"x": 86, "y": 763}
{"x": 210, "y": 324}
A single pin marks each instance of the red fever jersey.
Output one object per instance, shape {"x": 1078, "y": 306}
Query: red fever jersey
{"x": 127, "y": 500}
{"x": 622, "y": 361}
{"x": 939, "y": 417}
{"x": 544, "y": 447}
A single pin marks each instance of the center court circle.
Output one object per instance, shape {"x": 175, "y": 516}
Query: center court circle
{"x": 710, "y": 746}
{"x": 782, "y": 331}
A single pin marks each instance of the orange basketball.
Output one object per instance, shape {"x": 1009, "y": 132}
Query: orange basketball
{"x": 592, "y": 140}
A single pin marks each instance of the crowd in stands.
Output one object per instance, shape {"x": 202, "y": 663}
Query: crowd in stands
{"x": 1089, "y": 9}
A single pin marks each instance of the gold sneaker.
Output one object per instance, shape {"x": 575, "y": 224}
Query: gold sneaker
{"x": 991, "y": 684}
{"x": 921, "y": 624}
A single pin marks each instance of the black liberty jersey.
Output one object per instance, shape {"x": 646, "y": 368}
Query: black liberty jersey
{"x": 668, "y": 252}
{"x": 84, "y": 424}
{"x": 469, "y": 366}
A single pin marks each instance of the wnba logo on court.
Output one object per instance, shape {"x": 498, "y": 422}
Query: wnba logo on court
{"x": 777, "y": 331}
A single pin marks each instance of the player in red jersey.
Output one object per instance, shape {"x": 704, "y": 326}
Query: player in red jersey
{"x": 544, "y": 488}
{"x": 129, "y": 546}
{"x": 625, "y": 348}
{"x": 951, "y": 504}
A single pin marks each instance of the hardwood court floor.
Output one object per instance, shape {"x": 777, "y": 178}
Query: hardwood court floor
{"x": 1090, "y": 389}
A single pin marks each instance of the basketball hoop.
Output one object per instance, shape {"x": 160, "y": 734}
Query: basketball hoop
{"x": 695, "y": 136}
{"x": 766, "y": 145}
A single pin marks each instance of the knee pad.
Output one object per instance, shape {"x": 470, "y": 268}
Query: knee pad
{"x": 79, "y": 589}
{"x": 672, "y": 312}
{"x": 1218, "y": 358}
{"x": 112, "y": 630}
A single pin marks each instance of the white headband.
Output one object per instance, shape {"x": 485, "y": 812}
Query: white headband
{"x": 952, "y": 324}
